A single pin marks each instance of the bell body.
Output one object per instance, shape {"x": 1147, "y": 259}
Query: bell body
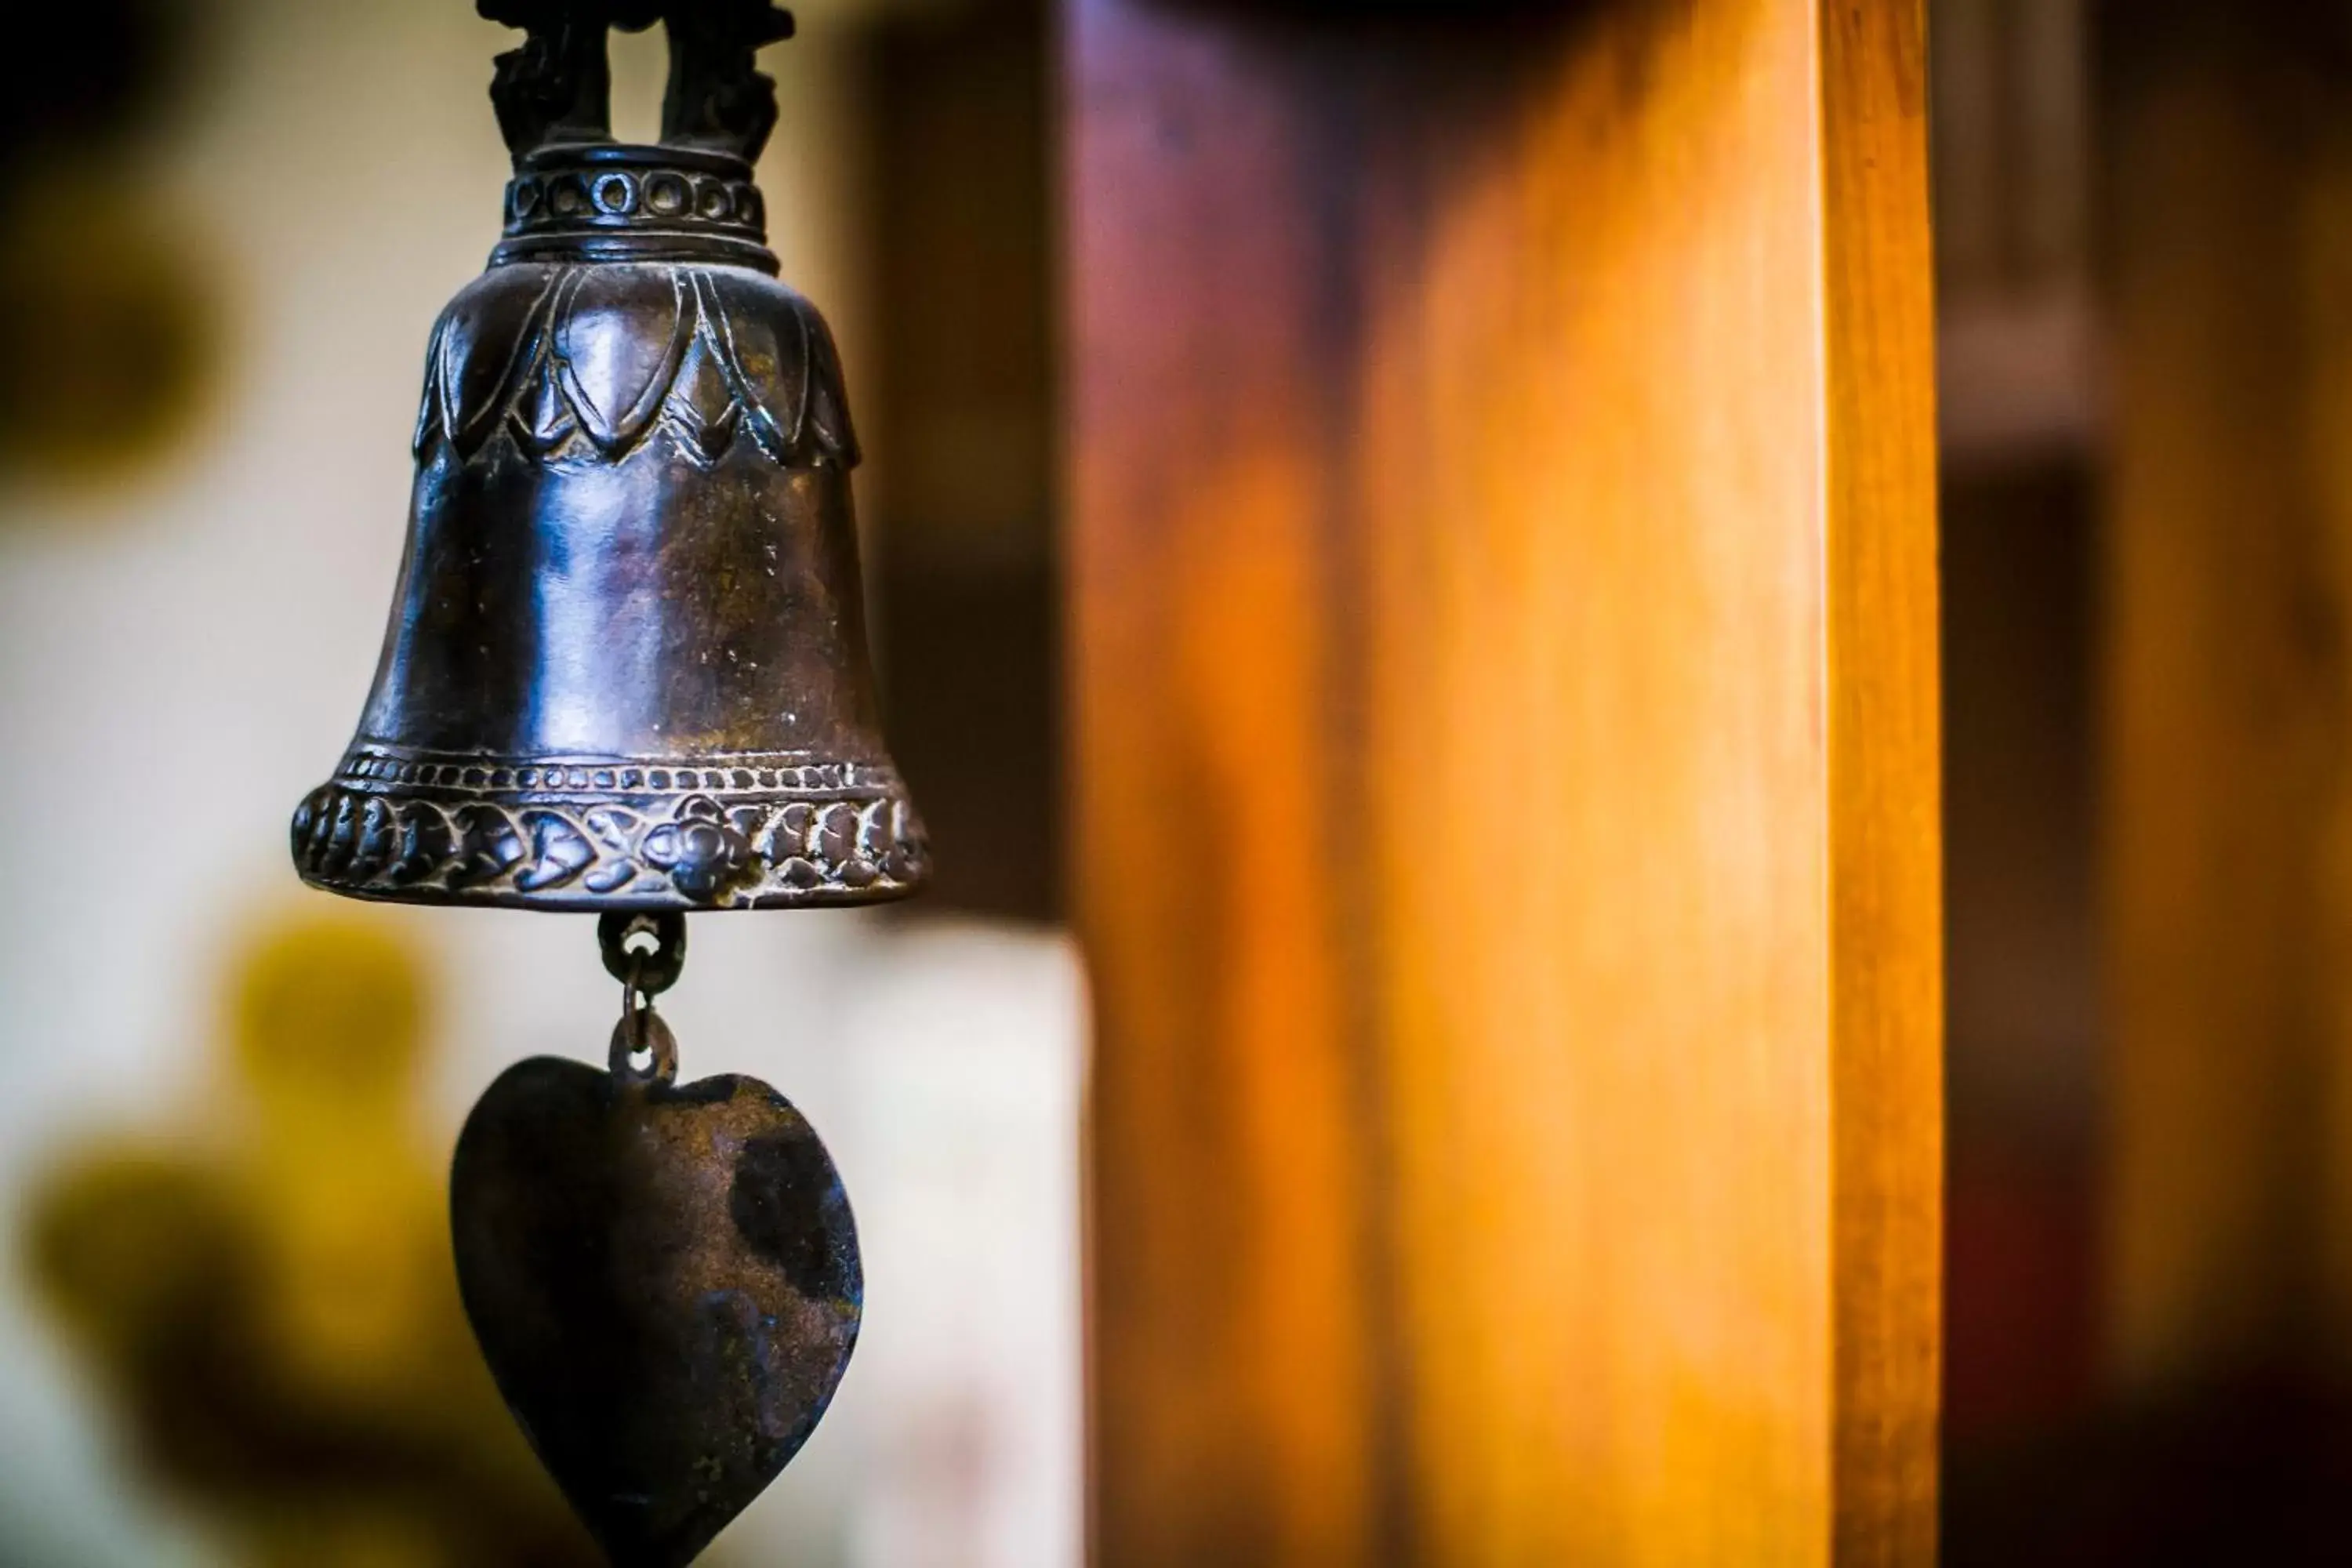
{"x": 627, "y": 664}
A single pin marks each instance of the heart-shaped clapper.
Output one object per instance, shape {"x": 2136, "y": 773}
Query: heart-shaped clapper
{"x": 664, "y": 1279}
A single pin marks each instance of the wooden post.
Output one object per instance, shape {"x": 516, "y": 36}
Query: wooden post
{"x": 2224, "y": 675}
{"x": 1503, "y": 645}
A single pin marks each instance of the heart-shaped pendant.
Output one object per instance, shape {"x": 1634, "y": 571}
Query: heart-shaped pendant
{"x": 664, "y": 1281}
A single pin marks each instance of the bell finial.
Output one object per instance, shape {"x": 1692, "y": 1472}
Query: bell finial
{"x": 717, "y": 99}
{"x": 556, "y": 89}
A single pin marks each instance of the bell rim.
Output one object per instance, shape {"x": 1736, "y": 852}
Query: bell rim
{"x": 718, "y": 833}
{"x": 875, "y": 897}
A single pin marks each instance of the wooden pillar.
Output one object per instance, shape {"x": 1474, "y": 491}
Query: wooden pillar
{"x": 1503, "y": 649}
{"x": 2228, "y": 843}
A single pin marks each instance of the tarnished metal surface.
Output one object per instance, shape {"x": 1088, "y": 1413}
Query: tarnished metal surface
{"x": 627, "y": 672}
{"x": 664, "y": 1280}
{"x": 626, "y": 665}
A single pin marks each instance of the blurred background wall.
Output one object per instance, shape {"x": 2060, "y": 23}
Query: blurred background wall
{"x": 226, "y": 1326}
{"x": 2022, "y": 408}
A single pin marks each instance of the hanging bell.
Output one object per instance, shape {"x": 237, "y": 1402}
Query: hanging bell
{"x": 626, "y": 665}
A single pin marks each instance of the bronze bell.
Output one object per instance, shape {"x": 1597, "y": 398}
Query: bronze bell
{"x": 626, "y": 665}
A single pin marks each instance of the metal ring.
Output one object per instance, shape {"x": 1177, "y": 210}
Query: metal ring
{"x": 641, "y": 1030}
{"x": 648, "y": 972}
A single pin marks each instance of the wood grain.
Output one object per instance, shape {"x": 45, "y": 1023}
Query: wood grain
{"x": 1503, "y": 661}
{"x": 1886, "y": 760}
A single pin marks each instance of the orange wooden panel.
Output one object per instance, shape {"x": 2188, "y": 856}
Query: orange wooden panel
{"x": 1505, "y": 729}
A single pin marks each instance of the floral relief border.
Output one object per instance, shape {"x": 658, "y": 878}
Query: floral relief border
{"x": 693, "y": 851}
